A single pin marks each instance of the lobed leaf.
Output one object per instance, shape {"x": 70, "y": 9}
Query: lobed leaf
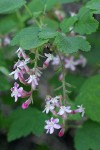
{"x": 71, "y": 44}
{"x": 94, "y": 5}
{"x": 86, "y": 23}
{"x": 47, "y": 33}
{"x": 67, "y": 23}
{"x": 25, "y": 122}
{"x": 28, "y": 38}
{"x": 88, "y": 137}
{"x": 10, "y": 5}
{"x": 89, "y": 96}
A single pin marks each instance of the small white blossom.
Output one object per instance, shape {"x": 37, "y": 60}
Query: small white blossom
{"x": 16, "y": 73}
{"x": 47, "y": 61}
{"x": 48, "y": 107}
{"x": 21, "y": 53}
{"x": 55, "y": 100}
{"x": 37, "y": 72}
{"x": 51, "y": 125}
{"x": 64, "y": 109}
{"x": 33, "y": 81}
{"x": 23, "y": 63}
{"x": 6, "y": 41}
{"x": 72, "y": 14}
{"x": 60, "y": 14}
{"x": 81, "y": 110}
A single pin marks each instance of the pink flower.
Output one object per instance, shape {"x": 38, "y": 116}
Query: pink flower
{"x": 33, "y": 81}
{"x": 26, "y": 104}
{"x": 19, "y": 92}
{"x": 16, "y": 92}
{"x": 23, "y": 63}
{"x": 47, "y": 61}
{"x": 60, "y": 14}
{"x": 51, "y": 125}
{"x": 82, "y": 61}
{"x": 55, "y": 101}
{"x": 17, "y": 73}
{"x": 21, "y": 53}
{"x": 70, "y": 63}
{"x": 64, "y": 109}
{"x": 61, "y": 132}
{"x": 56, "y": 60}
{"x": 80, "y": 110}
{"x": 48, "y": 107}
{"x": 60, "y": 77}
{"x": 6, "y": 41}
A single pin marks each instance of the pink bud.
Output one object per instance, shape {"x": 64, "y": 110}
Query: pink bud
{"x": 61, "y": 132}
{"x": 45, "y": 64}
{"x": 26, "y": 104}
{"x": 60, "y": 77}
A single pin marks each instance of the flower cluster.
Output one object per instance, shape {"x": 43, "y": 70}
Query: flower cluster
{"x": 56, "y": 107}
{"x": 70, "y": 62}
{"x": 26, "y": 76}
{"x": 31, "y": 76}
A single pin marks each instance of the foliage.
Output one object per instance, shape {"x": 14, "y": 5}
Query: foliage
{"x": 89, "y": 97}
{"x": 84, "y": 138}
{"x": 26, "y": 121}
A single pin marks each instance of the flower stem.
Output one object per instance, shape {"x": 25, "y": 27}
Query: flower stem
{"x": 63, "y": 80}
{"x": 31, "y": 15}
{"x": 19, "y": 18}
{"x": 36, "y": 59}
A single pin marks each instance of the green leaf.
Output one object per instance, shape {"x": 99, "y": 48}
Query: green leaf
{"x": 10, "y": 5}
{"x": 7, "y": 25}
{"x": 67, "y": 23}
{"x": 93, "y": 57}
{"x": 4, "y": 70}
{"x": 51, "y": 3}
{"x": 25, "y": 122}
{"x": 76, "y": 80}
{"x": 88, "y": 137}
{"x": 94, "y": 5}
{"x": 28, "y": 38}
{"x": 36, "y": 5}
{"x": 4, "y": 121}
{"x": 67, "y": 1}
{"x": 39, "y": 5}
{"x": 51, "y": 23}
{"x": 89, "y": 96}
{"x": 4, "y": 84}
{"x": 47, "y": 33}
{"x": 86, "y": 23}
{"x": 71, "y": 44}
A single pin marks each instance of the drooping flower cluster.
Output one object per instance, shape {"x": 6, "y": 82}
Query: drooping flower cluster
{"x": 26, "y": 76}
{"x": 30, "y": 76}
{"x": 56, "y": 107}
